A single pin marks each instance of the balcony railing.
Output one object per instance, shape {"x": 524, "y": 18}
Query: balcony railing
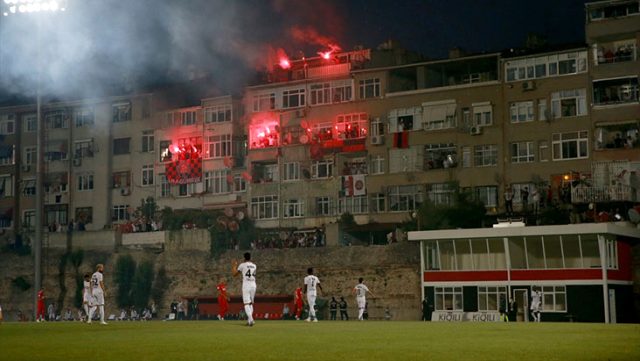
{"x": 617, "y": 193}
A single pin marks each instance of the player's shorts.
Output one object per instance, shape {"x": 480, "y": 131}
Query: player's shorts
{"x": 311, "y": 298}
{"x": 87, "y": 298}
{"x": 248, "y": 294}
{"x": 98, "y": 298}
{"x": 362, "y": 302}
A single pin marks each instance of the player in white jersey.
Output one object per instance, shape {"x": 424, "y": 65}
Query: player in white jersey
{"x": 97, "y": 293}
{"x": 536, "y": 304}
{"x": 311, "y": 282}
{"x": 360, "y": 290}
{"x": 87, "y": 299}
{"x": 248, "y": 271}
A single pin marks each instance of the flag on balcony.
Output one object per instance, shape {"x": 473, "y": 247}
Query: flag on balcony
{"x": 354, "y": 185}
{"x": 184, "y": 171}
{"x": 401, "y": 140}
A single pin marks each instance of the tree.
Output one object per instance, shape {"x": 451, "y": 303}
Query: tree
{"x": 463, "y": 212}
{"x": 148, "y": 208}
{"x": 142, "y": 281}
{"x": 124, "y": 272}
{"x": 160, "y": 285}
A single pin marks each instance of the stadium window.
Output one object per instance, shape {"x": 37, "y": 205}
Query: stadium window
{"x": 517, "y": 253}
{"x": 554, "y": 298}
{"x": 431, "y": 255}
{"x": 448, "y": 298}
{"x": 535, "y": 252}
{"x": 479, "y": 252}
{"x": 590, "y": 251}
{"x": 497, "y": 256}
{"x": 612, "y": 254}
{"x": 447, "y": 255}
{"x": 489, "y": 298}
{"x": 571, "y": 251}
{"x": 553, "y": 252}
{"x": 463, "y": 254}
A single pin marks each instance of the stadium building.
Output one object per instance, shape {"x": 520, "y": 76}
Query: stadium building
{"x": 584, "y": 272}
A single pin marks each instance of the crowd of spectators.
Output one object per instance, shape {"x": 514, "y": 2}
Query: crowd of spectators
{"x": 316, "y": 238}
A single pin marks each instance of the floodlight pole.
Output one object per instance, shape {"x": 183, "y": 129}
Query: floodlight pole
{"x": 37, "y": 253}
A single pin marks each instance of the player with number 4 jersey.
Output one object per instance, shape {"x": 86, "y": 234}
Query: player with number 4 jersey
{"x": 360, "y": 290}
{"x": 311, "y": 283}
{"x": 247, "y": 270}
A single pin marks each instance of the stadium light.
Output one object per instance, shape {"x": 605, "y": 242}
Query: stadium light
{"x": 29, "y": 7}
{"x": 12, "y": 7}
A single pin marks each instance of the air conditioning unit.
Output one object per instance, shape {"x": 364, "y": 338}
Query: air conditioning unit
{"x": 77, "y": 162}
{"x": 377, "y": 139}
{"x": 475, "y": 130}
{"x": 528, "y": 85}
{"x": 26, "y": 167}
{"x": 125, "y": 191}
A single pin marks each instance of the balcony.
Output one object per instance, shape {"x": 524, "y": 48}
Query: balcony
{"x": 616, "y": 52}
{"x": 616, "y": 193}
{"x": 329, "y": 70}
{"x": 615, "y": 91}
{"x": 617, "y": 136}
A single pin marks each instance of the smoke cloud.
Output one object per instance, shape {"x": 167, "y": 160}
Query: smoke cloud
{"x": 97, "y": 46}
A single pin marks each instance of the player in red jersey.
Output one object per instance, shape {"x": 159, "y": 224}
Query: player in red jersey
{"x": 40, "y": 312}
{"x": 298, "y": 303}
{"x": 223, "y": 300}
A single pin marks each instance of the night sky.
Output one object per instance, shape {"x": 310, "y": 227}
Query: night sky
{"x": 97, "y": 45}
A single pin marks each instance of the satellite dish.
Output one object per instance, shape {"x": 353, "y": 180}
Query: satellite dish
{"x": 240, "y": 215}
{"x": 634, "y": 215}
{"x": 228, "y": 212}
{"x": 304, "y": 139}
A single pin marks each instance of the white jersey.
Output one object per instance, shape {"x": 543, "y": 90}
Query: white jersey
{"x": 311, "y": 282}
{"x": 86, "y": 287}
{"x": 248, "y": 271}
{"x": 96, "y": 279}
{"x": 361, "y": 290}
{"x": 535, "y": 300}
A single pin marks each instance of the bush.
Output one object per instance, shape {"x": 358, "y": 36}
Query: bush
{"x": 124, "y": 273}
{"x": 160, "y": 285}
{"x": 142, "y": 282}
{"x": 21, "y": 283}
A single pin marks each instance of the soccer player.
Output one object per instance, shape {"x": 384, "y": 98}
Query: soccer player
{"x": 87, "y": 299}
{"x": 97, "y": 292}
{"x": 40, "y": 312}
{"x": 360, "y": 290}
{"x": 248, "y": 271}
{"x": 298, "y": 303}
{"x": 311, "y": 282}
{"x": 223, "y": 300}
{"x": 536, "y": 299}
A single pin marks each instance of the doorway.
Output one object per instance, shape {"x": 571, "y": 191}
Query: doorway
{"x": 521, "y": 296}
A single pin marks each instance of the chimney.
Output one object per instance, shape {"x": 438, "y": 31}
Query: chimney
{"x": 456, "y": 52}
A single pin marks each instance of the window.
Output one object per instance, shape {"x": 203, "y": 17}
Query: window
{"x": 56, "y": 150}
{"x": 218, "y": 146}
{"x": 522, "y": 152}
{"x": 57, "y": 214}
{"x": 331, "y": 92}
{"x": 440, "y": 156}
{"x": 148, "y": 140}
{"x": 84, "y": 215}
{"x": 554, "y": 298}
{"x": 521, "y": 112}
{"x": 121, "y": 112}
{"x": 293, "y": 98}
{"x": 488, "y": 195}
{"x": 490, "y": 298}
{"x": 569, "y": 103}
{"x": 121, "y": 146}
{"x": 120, "y": 213}
{"x": 83, "y": 117}
{"x": 485, "y": 155}
{"x": 264, "y": 172}
{"x": 30, "y": 123}
{"x": 7, "y": 124}
{"x": 323, "y": 206}
{"x": 377, "y": 164}
{"x": 440, "y": 193}
{"x": 405, "y": 198}
{"x": 216, "y": 181}
{"x": 165, "y": 186}
{"x": 218, "y": 114}
{"x": 147, "y": 175}
{"x": 189, "y": 189}
{"x": 353, "y": 205}
{"x": 239, "y": 184}
{"x": 543, "y": 150}
{"x": 7, "y": 154}
{"x": 56, "y": 119}
{"x": 83, "y": 149}
{"x": 292, "y": 171}
{"x": 293, "y": 208}
{"x": 466, "y": 157}
{"x": 571, "y": 145}
{"x": 369, "y": 88}
{"x": 615, "y": 91}
{"x": 121, "y": 179}
{"x": 354, "y": 166}
{"x": 352, "y": 126}
{"x": 616, "y": 51}
{"x": 482, "y": 114}
{"x": 405, "y": 160}
{"x": 165, "y": 152}
{"x": 448, "y": 298}
{"x": 263, "y": 102}
{"x": 405, "y": 119}
{"x": 612, "y": 253}
{"x": 188, "y": 117}
{"x": 546, "y": 66}
{"x": 264, "y": 207}
{"x": 85, "y": 181}
{"x": 321, "y": 169}
{"x": 29, "y": 218}
{"x": 542, "y": 109}
{"x": 439, "y": 115}
{"x": 378, "y": 203}
{"x": 29, "y": 187}
{"x": 377, "y": 127}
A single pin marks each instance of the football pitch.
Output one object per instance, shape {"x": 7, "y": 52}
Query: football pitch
{"x": 289, "y": 340}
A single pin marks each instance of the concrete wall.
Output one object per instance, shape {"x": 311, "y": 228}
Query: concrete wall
{"x": 143, "y": 239}
{"x": 106, "y": 240}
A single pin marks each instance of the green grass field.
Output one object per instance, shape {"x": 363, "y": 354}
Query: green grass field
{"x": 289, "y": 340}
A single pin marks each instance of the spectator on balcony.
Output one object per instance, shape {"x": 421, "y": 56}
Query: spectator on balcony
{"x": 524, "y": 195}
{"x": 618, "y": 141}
{"x": 535, "y": 197}
{"x": 508, "y": 201}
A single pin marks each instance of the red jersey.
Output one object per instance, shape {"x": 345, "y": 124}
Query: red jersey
{"x": 41, "y": 296}
{"x": 222, "y": 289}
{"x": 298, "y": 295}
